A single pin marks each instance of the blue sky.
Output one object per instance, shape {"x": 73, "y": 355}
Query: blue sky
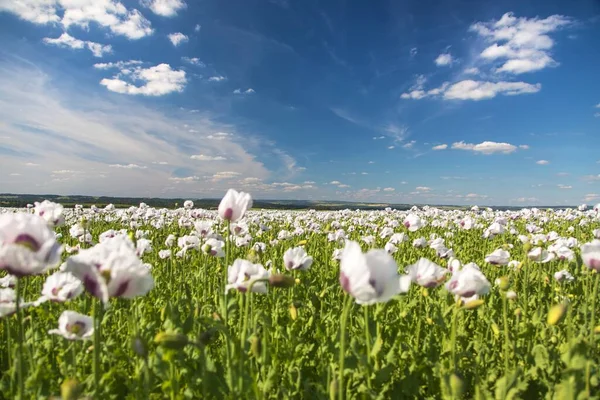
{"x": 467, "y": 102}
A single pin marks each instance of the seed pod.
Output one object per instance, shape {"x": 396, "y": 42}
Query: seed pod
{"x": 503, "y": 283}
{"x": 293, "y": 312}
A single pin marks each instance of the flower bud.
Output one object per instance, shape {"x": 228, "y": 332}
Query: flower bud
{"x": 293, "y": 312}
{"x": 281, "y": 281}
{"x": 70, "y": 389}
{"x": 556, "y": 314}
{"x": 302, "y": 243}
{"x": 511, "y": 295}
{"x": 457, "y": 386}
{"x": 255, "y": 346}
{"x": 597, "y": 330}
{"x": 175, "y": 341}
{"x": 473, "y": 304}
{"x": 503, "y": 283}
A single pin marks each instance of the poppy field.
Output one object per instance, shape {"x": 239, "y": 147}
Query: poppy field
{"x": 241, "y": 303}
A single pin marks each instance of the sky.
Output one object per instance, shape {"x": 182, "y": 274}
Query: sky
{"x": 454, "y": 102}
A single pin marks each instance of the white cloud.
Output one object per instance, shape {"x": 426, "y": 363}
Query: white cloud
{"x": 525, "y": 43}
{"x": 409, "y": 145}
{"x": 597, "y": 114}
{"x": 55, "y": 129}
{"x": 66, "y": 40}
{"x": 202, "y": 157}
{"x": 474, "y": 90}
{"x": 391, "y": 147}
{"x": 486, "y": 147}
{"x": 440, "y": 147}
{"x": 224, "y": 175}
{"x": 542, "y": 162}
{"x": 219, "y": 136}
{"x": 216, "y": 78}
{"x": 591, "y": 197}
{"x": 247, "y": 91}
{"x": 524, "y": 146}
{"x": 194, "y": 61}
{"x": 177, "y": 38}
{"x": 128, "y": 166}
{"x": 444, "y": 59}
{"x": 335, "y": 183}
{"x": 118, "y": 64}
{"x": 413, "y": 52}
{"x": 472, "y": 71}
{"x": 597, "y": 105}
{"x": 396, "y": 132}
{"x": 388, "y": 189}
{"x": 423, "y": 189}
{"x": 479, "y": 90}
{"x": 164, "y": 8}
{"x": 378, "y": 137}
{"x": 159, "y": 80}
{"x": 197, "y": 28}
{"x": 110, "y": 14}
{"x": 564, "y": 186}
{"x": 592, "y": 177}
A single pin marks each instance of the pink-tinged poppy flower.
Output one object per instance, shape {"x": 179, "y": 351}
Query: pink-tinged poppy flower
{"x": 51, "y": 212}
{"x": 234, "y": 204}
{"x": 590, "y": 254}
{"x": 468, "y": 282}
{"x": 60, "y": 287}
{"x": 426, "y": 273}
{"x": 413, "y": 222}
{"x": 74, "y": 326}
{"x": 214, "y": 247}
{"x": 111, "y": 269}
{"x": 297, "y": 259}
{"x": 370, "y": 277}
{"x": 563, "y": 276}
{"x": 243, "y": 273}
{"x": 540, "y": 255}
{"x": 27, "y": 245}
{"x": 498, "y": 257}
{"x": 188, "y": 204}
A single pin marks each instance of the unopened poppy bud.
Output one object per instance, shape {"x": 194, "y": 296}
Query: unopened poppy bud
{"x": 517, "y": 312}
{"x": 511, "y": 295}
{"x": 333, "y": 389}
{"x": 457, "y": 386}
{"x": 281, "y": 281}
{"x": 139, "y": 347}
{"x": 293, "y": 312}
{"x": 252, "y": 256}
{"x": 131, "y": 236}
{"x": 302, "y": 243}
{"x": 597, "y": 330}
{"x": 503, "y": 283}
{"x": 175, "y": 341}
{"x": 255, "y": 346}
{"x": 84, "y": 222}
{"x": 556, "y": 314}
{"x": 473, "y": 304}
{"x": 70, "y": 389}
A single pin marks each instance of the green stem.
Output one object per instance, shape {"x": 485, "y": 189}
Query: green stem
{"x": 342, "y": 358}
{"x": 97, "y": 338}
{"x": 368, "y": 344}
{"x": 506, "y": 337}
{"x": 453, "y": 335}
{"x": 225, "y": 310}
{"x": 20, "y": 369}
{"x": 594, "y": 295}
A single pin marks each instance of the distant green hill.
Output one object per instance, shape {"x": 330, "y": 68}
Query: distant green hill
{"x": 21, "y": 200}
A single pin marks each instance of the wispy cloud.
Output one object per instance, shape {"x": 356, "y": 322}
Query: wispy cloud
{"x": 64, "y": 131}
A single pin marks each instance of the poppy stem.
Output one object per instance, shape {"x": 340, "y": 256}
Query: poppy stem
{"x": 19, "y": 312}
{"x": 594, "y": 295}
{"x": 453, "y": 334}
{"x": 506, "y": 336}
{"x": 97, "y": 324}
{"x": 368, "y": 344}
{"x": 342, "y": 359}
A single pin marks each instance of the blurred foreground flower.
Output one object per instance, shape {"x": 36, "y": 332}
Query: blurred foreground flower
{"x": 27, "y": 245}
{"x": 242, "y": 274}
{"x": 370, "y": 277}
